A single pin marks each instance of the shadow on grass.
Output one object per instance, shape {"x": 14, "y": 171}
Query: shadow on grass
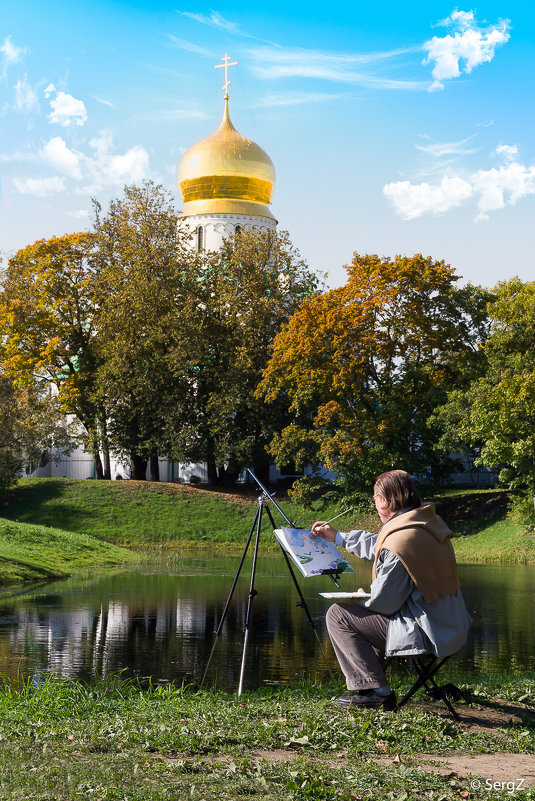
{"x": 472, "y": 513}
{"x": 41, "y": 503}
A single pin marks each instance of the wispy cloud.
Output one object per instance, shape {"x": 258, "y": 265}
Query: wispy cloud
{"x": 441, "y": 149}
{"x": 468, "y": 47}
{"x": 11, "y": 54}
{"x": 492, "y": 189}
{"x": 190, "y": 47}
{"x": 275, "y": 62}
{"x": 215, "y": 20}
{"x": 295, "y": 99}
{"x": 104, "y": 102}
{"x": 25, "y": 96}
{"x": 172, "y": 114}
{"x": 40, "y": 187}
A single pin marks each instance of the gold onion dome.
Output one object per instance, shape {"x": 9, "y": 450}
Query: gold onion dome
{"x": 226, "y": 174}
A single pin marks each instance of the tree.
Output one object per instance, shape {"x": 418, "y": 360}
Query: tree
{"x": 145, "y": 281}
{"x": 243, "y": 294}
{"x": 495, "y": 415}
{"x": 30, "y": 423}
{"x": 47, "y": 313}
{"x": 362, "y": 367}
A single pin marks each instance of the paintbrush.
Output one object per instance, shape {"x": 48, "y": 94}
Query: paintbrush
{"x": 340, "y": 515}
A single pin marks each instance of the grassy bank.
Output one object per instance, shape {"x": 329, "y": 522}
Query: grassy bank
{"x": 51, "y": 527}
{"x": 35, "y": 553}
{"x": 62, "y": 740}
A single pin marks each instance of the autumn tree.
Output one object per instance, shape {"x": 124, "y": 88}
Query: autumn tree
{"x": 495, "y": 415}
{"x": 244, "y": 293}
{"x": 362, "y": 367}
{"x": 30, "y": 424}
{"x": 47, "y": 319}
{"x": 146, "y": 277}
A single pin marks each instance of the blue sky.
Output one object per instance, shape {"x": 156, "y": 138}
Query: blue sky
{"x": 393, "y": 128}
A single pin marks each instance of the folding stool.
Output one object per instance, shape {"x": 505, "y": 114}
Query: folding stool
{"x": 426, "y": 667}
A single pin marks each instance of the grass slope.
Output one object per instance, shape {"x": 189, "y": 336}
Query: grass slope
{"x": 31, "y": 553}
{"x": 52, "y": 527}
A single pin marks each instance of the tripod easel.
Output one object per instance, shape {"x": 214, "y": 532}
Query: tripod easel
{"x": 256, "y": 526}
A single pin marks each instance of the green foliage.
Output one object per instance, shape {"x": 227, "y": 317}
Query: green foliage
{"x": 495, "y": 416}
{"x": 361, "y": 368}
{"x": 241, "y": 296}
{"x": 30, "y": 422}
{"x": 48, "y": 308}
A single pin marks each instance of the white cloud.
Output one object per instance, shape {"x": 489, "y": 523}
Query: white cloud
{"x": 492, "y": 189}
{"x": 59, "y": 156}
{"x": 507, "y": 151}
{"x": 40, "y": 187}
{"x": 413, "y": 200}
{"x": 105, "y": 168}
{"x": 79, "y": 214}
{"x": 11, "y": 54}
{"x": 172, "y": 114}
{"x": 215, "y": 20}
{"x": 467, "y": 48}
{"x": 25, "y": 97}
{"x": 190, "y": 47}
{"x": 66, "y": 109}
{"x": 441, "y": 149}
{"x": 101, "y": 100}
{"x": 295, "y": 99}
{"x": 505, "y": 186}
{"x": 275, "y": 62}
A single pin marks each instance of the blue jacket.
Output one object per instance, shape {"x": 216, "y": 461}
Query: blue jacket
{"x": 415, "y": 627}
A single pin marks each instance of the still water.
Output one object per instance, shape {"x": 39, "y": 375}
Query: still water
{"x": 159, "y": 622}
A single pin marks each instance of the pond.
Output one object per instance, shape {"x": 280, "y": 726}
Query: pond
{"x": 159, "y": 621}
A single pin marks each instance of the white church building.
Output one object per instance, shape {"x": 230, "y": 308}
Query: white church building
{"x": 226, "y": 182}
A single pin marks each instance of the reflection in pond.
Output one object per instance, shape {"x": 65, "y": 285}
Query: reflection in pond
{"x": 159, "y": 622}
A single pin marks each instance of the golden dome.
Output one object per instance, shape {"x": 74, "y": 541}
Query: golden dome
{"x": 226, "y": 174}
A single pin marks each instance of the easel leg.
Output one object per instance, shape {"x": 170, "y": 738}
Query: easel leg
{"x": 252, "y": 594}
{"x": 217, "y": 632}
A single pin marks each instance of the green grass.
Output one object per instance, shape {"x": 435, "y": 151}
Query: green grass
{"x": 140, "y": 512}
{"x": 61, "y": 739}
{"x": 52, "y": 527}
{"x": 32, "y": 553}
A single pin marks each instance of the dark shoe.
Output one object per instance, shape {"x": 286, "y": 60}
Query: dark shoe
{"x": 368, "y": 699}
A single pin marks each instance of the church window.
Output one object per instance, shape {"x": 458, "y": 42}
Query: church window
{"x": 200, "y": 238}
{"x": 238, "y": 229}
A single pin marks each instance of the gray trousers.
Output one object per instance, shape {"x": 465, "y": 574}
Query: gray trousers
{"x": 358, "y": 636}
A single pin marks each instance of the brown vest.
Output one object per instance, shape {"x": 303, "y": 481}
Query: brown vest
{"x": 422, "y": 542}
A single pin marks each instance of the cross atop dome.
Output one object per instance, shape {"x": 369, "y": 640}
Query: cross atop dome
{"x": 226, "y": 64}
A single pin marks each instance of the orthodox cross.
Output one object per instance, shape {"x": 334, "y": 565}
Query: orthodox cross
{"x": 227, "y": 63}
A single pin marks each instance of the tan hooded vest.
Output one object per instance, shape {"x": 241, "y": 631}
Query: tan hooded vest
{"x": 422, "y": 542}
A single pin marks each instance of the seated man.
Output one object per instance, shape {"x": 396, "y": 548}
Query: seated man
{"x": 416, "y": 606}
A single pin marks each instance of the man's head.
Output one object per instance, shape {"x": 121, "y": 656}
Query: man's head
{"x": 393, "y": 491}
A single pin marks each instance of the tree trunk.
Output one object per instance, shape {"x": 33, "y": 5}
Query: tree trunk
{"x": 138, "y": 467}
{"x": 97, "y": 460}
{"x": 105, "y": 446}
{"x": 154, "y": 468}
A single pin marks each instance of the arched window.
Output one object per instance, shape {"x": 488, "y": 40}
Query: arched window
{"x": 238, "y": 229}
{"x": 200, "y": 238}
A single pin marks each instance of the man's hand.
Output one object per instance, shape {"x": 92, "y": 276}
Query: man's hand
{"x": 323, "y": 530}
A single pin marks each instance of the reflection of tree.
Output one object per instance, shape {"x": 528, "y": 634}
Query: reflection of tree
{"x": 162, "y": 626}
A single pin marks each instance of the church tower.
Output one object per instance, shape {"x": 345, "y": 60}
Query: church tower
{"x": 226, "y": 182}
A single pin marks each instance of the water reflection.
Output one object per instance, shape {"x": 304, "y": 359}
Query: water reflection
{"x": 160, "y": 623}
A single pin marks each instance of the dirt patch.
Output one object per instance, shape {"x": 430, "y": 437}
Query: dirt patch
{"x": 507, "y": 769}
